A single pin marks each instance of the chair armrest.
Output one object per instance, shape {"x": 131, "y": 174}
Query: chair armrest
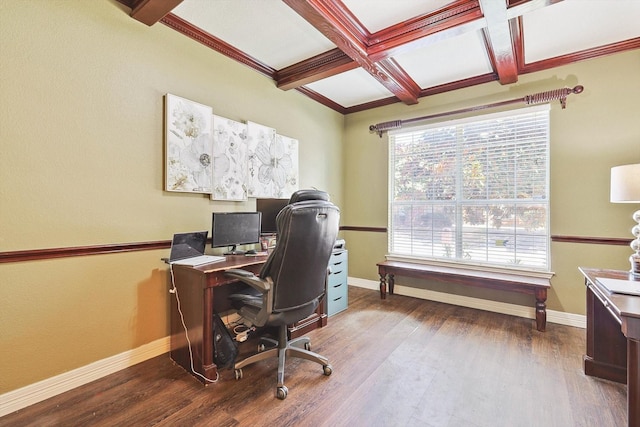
{"x": 238, "y": 272}
{"x": 249, "y": 278}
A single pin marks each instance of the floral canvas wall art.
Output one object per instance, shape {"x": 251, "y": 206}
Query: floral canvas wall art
{"x": 229, "y": 159}
{"x": 188, "y": 145}
{"x": 272, "y": 163}
{"x": 289, "y": 147}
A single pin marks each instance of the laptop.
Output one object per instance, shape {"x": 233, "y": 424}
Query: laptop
{"x": 618, "y": 286}
{"x": 188, "y": 249}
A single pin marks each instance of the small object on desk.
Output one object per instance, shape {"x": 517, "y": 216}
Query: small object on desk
{"x": 254, "y": 253}
{"x": 200, "y": 260}
{"x": 620, "y": 286}
{"x": 250, "y": 252}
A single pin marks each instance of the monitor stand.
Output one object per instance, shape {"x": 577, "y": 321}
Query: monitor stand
{"x": 233, "y": 251}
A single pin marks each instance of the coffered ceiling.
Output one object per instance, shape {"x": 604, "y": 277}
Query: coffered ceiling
{"x": 352, "y": 55}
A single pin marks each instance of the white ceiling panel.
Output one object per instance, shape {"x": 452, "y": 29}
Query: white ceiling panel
{"x": 268, "y": 30}
{"x": 354, "y": 87}
{"x": 376, "y": 15}
{"x": 447, "y": 61}
{"x": 575, "y": 25}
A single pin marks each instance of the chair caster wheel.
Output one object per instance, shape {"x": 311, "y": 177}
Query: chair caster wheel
{"x": 281, "y": 392}
{"x": 261, "y": 348}
{"x": 238, "y": 374}
{"x": 307, "y": 346}
{"x": 327, "y": 369}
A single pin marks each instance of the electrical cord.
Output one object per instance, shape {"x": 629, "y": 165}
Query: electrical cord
{"x": 174, "y": 291}
{"x": 237, "y": 329}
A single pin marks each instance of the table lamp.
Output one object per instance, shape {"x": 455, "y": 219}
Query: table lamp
{"x": 625, "y": 188}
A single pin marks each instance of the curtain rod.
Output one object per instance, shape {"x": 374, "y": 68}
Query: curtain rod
{"x": 536, "y": 98}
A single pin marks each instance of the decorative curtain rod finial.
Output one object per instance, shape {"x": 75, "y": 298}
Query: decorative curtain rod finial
{"x": 548, "y": 96}
{"x": 576, "y": 89}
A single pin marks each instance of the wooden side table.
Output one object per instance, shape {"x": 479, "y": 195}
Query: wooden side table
{"x": 613, "y": 337}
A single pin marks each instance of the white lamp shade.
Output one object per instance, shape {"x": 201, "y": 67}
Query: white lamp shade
{"x": 625, "y": 184}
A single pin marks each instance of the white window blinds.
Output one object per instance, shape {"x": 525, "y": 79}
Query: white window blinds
{"x": 473, "y": 190}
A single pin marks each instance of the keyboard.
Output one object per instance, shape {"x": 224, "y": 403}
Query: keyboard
{"x": 199, "y": 260}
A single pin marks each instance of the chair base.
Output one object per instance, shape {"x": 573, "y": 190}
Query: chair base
{"x": 299, "y": 347}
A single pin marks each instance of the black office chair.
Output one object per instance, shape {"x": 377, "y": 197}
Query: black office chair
{"x": 292, "y": 281}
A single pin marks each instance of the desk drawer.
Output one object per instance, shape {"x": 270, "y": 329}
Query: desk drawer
{"x": 337, "y": 294}
{"x": 337, "y": 289}
{"x": 337, "y": 276}
{"x": 338, "y": 258}
{"x": 336, "y": 305}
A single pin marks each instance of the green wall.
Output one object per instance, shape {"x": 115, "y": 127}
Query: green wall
{"x": 81, "y": 128}
{"x": 598, "y": 129}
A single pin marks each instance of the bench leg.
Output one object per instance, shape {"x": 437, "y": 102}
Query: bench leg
{"x": 392, "y": 282}
{"x": 541, "y": 309}
{"x": 383, "y": 285}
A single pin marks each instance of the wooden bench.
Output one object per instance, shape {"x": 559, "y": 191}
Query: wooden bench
{"x": 493, "y": 280}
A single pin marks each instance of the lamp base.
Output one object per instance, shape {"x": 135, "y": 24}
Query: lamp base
{"x": 634, "y": 259}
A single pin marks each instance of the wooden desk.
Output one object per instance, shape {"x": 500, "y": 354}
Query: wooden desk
{"x": 195, "y": 291}
{"x": 203, "y": 290}
{"x": 492, "y": 280}
{"x": 613, "y": 337}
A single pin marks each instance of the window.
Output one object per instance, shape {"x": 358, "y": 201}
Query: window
{"x": 473, "y": 190}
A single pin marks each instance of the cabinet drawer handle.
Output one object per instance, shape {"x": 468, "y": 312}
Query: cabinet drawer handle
{"x": 336, "y": 299}
{"x": 336, "y": 272}
{"x": 338, "y": 285}
{"x": 337, "y": 263}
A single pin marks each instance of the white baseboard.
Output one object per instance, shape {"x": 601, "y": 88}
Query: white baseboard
{"x": 559, "y": 317}
{"x": 37, "y": 392}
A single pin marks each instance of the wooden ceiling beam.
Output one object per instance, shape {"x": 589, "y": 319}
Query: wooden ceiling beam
{"x": 313, "y": 69}
{"x": 336, "y": 22}
{"x": 499, "y": 42}
{"x": 457, "y": 18}
{"x": 151, "y": 11}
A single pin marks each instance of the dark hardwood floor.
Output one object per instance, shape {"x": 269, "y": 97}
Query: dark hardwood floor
{"x": 397, "y": 362}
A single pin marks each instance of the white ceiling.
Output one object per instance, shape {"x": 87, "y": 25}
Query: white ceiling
{"x": 274, "y": 34}
{"x": 575, "y": 25}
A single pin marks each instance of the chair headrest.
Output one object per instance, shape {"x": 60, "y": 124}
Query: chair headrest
{"x": 309, "y": 194}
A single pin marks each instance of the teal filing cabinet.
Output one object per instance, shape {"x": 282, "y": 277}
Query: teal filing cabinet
{"x": 337, "y": 288}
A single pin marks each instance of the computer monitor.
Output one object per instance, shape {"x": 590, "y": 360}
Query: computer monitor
{"x": 230, "y": 229}
{"x": 270, "y": 209}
